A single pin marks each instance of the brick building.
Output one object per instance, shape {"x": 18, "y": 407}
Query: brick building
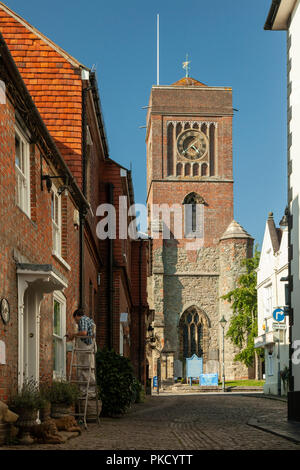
{"x": 124, "y": 274}
{"x": 39, "y": 240}
{"x": 189, "y": 163}
{"x": 66, "y": 95}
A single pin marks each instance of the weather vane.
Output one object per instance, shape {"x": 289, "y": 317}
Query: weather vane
{"x": 185, "y": 65}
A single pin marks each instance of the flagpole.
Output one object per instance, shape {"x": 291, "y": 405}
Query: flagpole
{"x": 157, "y": 79}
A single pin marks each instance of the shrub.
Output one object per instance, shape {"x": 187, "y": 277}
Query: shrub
{"x": 60, "y": 391}
{"x": 139, "y": 391}
{"x": 28, "y": 397}
{"x": 116, "y": 382}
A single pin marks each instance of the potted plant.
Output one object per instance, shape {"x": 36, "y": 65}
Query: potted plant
{"x": 62, "y": 395}
{"x": 26, "y": 404}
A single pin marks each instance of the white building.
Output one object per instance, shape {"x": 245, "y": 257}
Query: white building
{"x": 285, "y": 15}
{"x": 272, "y": 274}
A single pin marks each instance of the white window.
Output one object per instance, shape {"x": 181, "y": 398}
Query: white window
{"x": 59, "y": 331}
{"x": 268, "y": 301}
{"x": 270, "y": 364}
{"x": 56, "y": 221}
{"x": 22, "y": 166}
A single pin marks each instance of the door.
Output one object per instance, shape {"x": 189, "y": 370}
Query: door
{"x": 30, "y": 337}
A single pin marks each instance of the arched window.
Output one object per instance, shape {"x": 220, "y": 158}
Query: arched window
{"x": 178, "y": 128}
{"x": 204, "y": 169}
{"x": 204, "y": 128}
{"x": 195, "y": 169}
{"x": 212, "y": 149}
{"x": 191, "y": 333}
{"x": 179, "y": 169}
{"x": 193, "y": 215}
{"x": 170, "y": 149}
{"x": 187, "y": 169}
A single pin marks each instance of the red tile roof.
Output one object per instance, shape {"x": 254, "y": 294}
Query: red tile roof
{"x": 53, "y": 78}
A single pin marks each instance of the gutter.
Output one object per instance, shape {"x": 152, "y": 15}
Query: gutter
{"x": 272, "y": 14}
{"x": 100, "y": 119}
{"x": 110, "y": 287}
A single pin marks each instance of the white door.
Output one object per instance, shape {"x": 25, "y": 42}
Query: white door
{"x": 30, "y": 336}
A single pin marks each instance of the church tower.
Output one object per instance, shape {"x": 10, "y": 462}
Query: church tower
{"x": 189, "y": 164}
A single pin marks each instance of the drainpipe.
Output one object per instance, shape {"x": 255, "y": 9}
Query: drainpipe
{"x": 82, "y": 215}
{"x": 140, "y": 310}
{"x": 83, "y": 212}
{"x": 110, "y": 292}
{"x": 289, "y": 303}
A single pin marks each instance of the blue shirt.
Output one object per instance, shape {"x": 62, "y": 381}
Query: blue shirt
{"x": 86, "y": 324}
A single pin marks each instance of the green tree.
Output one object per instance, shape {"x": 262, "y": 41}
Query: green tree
{"x": 243, "y": 322}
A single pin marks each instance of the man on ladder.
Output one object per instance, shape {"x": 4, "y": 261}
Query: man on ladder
{"x": 85, "y": 357}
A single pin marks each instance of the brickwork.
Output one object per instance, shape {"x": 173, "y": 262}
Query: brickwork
{"x": 28, "y": 239}
{"x": 184, "y": 278}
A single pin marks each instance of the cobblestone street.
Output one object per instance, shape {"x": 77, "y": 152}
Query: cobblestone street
{"x": 186, "y": 422}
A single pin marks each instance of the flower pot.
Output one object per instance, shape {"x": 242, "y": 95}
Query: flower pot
{"x": 27, "y": 419}
{"x": 45, "y": 412}
{"x": 58, "y": 410}
{"x": 4, "y": 430}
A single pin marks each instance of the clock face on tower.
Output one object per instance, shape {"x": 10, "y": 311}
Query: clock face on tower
{"x": 192, "y": 144}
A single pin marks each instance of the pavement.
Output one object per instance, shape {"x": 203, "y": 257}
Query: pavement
{"x": 277, "y": 424}
{"x": 214, "y": 421}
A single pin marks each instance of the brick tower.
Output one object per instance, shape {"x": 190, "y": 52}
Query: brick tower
{"x": 189, "y": 161}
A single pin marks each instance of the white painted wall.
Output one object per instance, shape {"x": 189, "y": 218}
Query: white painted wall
{"x": 270, "y": 295}
{"x": 293, "y": 41}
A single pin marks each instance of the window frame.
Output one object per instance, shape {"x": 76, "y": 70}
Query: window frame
{"x": 56, "y": 223}
{"x": 61, "y": 373}
{"x": 23, "y": 188}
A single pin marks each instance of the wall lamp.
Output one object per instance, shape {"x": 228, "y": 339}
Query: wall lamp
{"x": 61, "y": 189}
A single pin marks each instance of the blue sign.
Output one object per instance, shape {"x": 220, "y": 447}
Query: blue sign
{"x": 194, "y": 366}
{"x": 278, "y": 314}
{"x": 209, "y": 379}
{"x": 155, "y": 382}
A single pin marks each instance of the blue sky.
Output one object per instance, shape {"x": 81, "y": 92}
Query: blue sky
{"x": 227, "y": 46}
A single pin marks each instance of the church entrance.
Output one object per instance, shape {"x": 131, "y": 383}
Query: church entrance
{"x": 191, "y": 333}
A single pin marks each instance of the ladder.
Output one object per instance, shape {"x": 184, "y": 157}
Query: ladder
{"x": 83, "y": 401}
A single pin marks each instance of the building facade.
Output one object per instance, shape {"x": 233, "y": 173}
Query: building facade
{"x": 272, "y": 276}
{"x": 96, "y": 274}
{"x": 39, "y": 240}
{"x": 189, "y": 168}
{"x": 284, "y": 15}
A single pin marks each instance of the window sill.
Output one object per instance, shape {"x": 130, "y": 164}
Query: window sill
{"x": 61, "y": 260}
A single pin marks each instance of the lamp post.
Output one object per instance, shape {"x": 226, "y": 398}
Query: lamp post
{"x": 223, "y": 322}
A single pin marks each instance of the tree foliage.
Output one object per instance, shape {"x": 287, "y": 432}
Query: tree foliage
{"x": 243, "y": 322}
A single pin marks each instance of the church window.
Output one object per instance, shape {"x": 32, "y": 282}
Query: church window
{"x": 204, "y": 128}
{"x": 195, "y": 169}
{"x": 191, "y": 214}
{"x": 170, "y": 132}
{"x": 212, "y": 149}
{"x": 179, "y": 169}
{"x": 178, "y": 129}
{"x": 203, "y": 169}
{"x": 191, "y": 334}
{"x": 187, "y": 169}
